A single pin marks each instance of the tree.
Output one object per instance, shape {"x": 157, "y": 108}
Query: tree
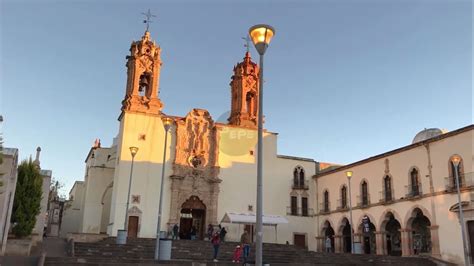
{"x": 27, "y": 203}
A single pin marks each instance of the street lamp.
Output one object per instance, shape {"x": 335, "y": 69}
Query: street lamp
{"x": 122, "y": 234}
{"x": 261, "y": 36}
{"x": 167, "y": 125}
{"x": 349, "y": 176}
{"x": 456, "y": 160}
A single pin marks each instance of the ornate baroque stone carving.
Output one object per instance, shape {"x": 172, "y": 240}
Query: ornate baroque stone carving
{"x": 195, "y": 167}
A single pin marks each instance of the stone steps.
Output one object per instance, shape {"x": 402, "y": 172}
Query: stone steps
{"x": 184, "y": 252}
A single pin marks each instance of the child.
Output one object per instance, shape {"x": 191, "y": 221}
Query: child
{"x": 237, "y": 254}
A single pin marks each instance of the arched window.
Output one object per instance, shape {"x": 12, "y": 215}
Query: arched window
{"x": 387, "y": 186}
{"x": 344, "y": 197}
{"x": 144, "y": 85}
{"x": 302, "y": 177}
{"x": 299, "y": 178}
{"x": 295, "y": 177}
{"x": 414, "y": 183}
{"x": 326, "y": 201}
{"x": 452, "y": 173}
{"x": 364, "y": 193}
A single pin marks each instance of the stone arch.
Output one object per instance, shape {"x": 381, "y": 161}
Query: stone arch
{"x": 342, "y": 223}
{"x": 384, "y": 218}
{"x": 327, "y": 223}
{"x": 344, "y": 230}
{"x": 409, "y": 173}
{"x": 411, "y": 214}
{"x": 361, "y": 190}
{"x": 359, "y": 220}
{"x": 110, "y": 186}
{"x": 328, "y": 231}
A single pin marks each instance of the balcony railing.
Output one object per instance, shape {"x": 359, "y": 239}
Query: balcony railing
{"x": 363, "y": 201}
{"x": 299, "y": 185}
{"x": 465, "y": 180}
{"x": 325, "y": 207}
{"x": 305, "y": 212}
{"x": 386, "y": 196}
{"x": 413, "y": 190}
{"x": 342, "y": 205}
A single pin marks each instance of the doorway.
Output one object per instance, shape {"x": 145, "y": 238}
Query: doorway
{"x": 299, "y": 240}
{"x": 132, "y": 226}
{"x": 192, "y": 219}
{"x": 250, "y": 230}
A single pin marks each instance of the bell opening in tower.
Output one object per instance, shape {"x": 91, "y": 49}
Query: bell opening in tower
{"x": 144, "y": 85}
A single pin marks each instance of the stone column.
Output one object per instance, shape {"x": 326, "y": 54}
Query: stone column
{"x": 337, "y": 244}
{"x": 405, "y": 238}
{"x": 435, "y": 241}
{"x": 174, "y": 206}
{"x": 380, "y": 248}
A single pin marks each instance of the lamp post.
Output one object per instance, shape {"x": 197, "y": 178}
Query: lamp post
{"x": 455, "y": 160}
{"x": 349, "y": 175}
{"x": 261, "y": 36}
{"x": 122, "y": 234}
{"x": 167, "y": 125}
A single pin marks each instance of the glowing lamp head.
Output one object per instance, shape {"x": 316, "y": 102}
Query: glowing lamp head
{"x": 261, "y": 36}
{"x": 456, "y": 159}
{"x": 133, "y": 151}
{"x": 349, "y": 174}
{"x": 167, "y": 122}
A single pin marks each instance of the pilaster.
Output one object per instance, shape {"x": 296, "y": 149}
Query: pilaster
{"x": 405, "y": 238}
{"x": 435, "y": 241}
{"x": 380, "y": 247}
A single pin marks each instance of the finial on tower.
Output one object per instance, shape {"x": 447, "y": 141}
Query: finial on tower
{"x": 37, "y": 159}
{"x": 148, "y": 20}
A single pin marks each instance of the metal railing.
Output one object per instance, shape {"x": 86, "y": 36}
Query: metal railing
{"x": 465, "y": 180}
{"x": 325, "y": 207}
{"x": 363, "y": 201}
{"x": 299, "y": 185}
{"x": 342, "y": 205}
{"x": 305, "y": 212}
{"x": 386, "y": 196}
{"x": 413, "y": 190}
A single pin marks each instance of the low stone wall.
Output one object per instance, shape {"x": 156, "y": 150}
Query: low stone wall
{"x": 18, "y": 247}
{"x": 85, "y": 237}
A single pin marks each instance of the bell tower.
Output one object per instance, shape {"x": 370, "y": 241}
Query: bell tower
{"x": 143, "y": 77}
{"x": 244, "y": 93}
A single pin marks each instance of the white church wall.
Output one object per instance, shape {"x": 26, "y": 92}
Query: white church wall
{"x": 146, "y": 172}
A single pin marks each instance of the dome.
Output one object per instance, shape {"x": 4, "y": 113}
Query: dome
{"x": 428, "y": 133}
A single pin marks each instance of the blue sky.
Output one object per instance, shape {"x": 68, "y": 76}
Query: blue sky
{"x": 345, "y": 80}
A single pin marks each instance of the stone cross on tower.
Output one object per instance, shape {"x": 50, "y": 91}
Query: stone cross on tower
{"x": 148, "y": 20}
{"x": 247, "y": 43}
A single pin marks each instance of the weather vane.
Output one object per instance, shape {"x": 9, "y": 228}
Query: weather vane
{"x": 247, "y": 43}
{"x": 148, "y": 16}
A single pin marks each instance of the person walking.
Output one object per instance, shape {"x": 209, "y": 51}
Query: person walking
{"x": 175, "y": 232}
{"x": 193, "y": 232}
{"x": 216, "y": 241}
{"x": 328, "y": 245}
{"x": 222, "y": 233}
{"x": 245, "y": 240}
{"x": 210, "y": 231}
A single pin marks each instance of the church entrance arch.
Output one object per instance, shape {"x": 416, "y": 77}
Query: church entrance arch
{"x": 192, "y": 219}
{"x": 392, "y": 227}
{"x": 421, "y": 233}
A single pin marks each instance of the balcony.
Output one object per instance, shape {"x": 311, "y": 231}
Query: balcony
{"x": 299, "y": 185}
{"x": 386, "y": 196}
{"x": 341, "y": 205}
{"x": 304, "y": 212}
{"x": 465, "y": 180}
{"x": 413, "y": 191}
{"x": 363, "y": 201}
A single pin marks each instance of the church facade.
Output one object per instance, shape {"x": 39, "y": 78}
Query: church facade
{"x": 404, "y": 201}
{"x": 210, "y": 167}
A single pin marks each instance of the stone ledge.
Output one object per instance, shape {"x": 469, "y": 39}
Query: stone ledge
{"x": 86, "y": 237}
